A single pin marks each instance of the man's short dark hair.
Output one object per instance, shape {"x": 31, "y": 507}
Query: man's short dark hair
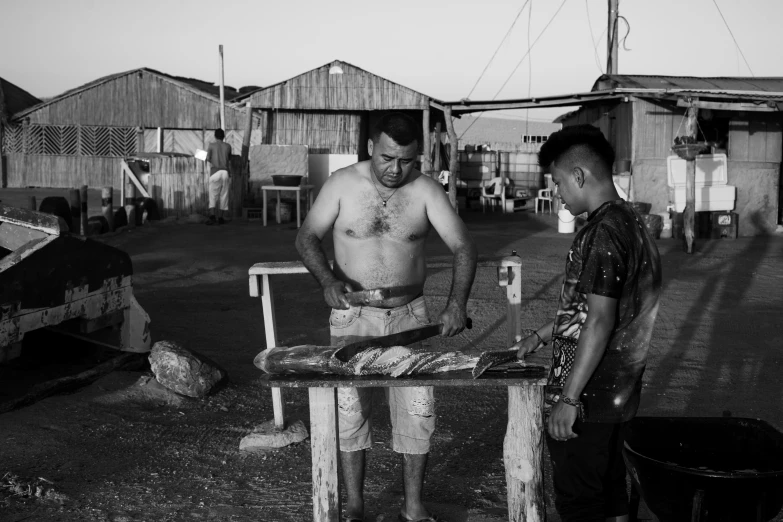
{"x": 586, "y": 137}
{"x": 398, "y": 126}
{"x": 219, "y": 134}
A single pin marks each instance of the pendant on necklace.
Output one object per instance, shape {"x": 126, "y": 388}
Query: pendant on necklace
{"x": 384, "y": 203}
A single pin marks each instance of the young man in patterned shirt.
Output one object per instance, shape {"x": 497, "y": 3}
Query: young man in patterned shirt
{"x": 601, "y": 331}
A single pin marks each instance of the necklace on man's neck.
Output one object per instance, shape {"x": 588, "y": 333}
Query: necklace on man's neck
{"x": 374, "y": 184}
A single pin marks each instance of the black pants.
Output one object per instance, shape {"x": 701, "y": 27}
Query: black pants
{"x": 589, "y": 473}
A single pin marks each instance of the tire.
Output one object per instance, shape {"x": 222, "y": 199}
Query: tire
{"x": 120, "y": 218}
{"x": 102, "y": 221}
{"x": 59, "y": 206}
{"x": 150, "y": 207}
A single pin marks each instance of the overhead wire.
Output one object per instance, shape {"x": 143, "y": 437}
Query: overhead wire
{"x": 498, "y": 48}
{"x": 732, "y": 37}
{"x": 529, "y": 66}
{"x": 530, "y": 48}
{"x": 592, "y": 38}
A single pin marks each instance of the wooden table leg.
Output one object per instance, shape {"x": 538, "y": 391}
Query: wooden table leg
{"x": 298, "y": 208}
{"x": 523, "y": 454}
{"x": 270, "y": 329}
{"x": 325, "y": 446}
{"x": 264, "y": 209}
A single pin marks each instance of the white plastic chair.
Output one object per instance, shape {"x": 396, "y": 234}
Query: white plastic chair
{"x": 495, "y": 195}
{"x": 544, "y": 196}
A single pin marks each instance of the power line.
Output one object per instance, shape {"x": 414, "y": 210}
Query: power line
{"x": 530, "y": 48}
{"x": 592, "y": 39}
{"x": 732, "y": 37}
{"x": 529, "y": 64}
{"x": 498, "y": 49}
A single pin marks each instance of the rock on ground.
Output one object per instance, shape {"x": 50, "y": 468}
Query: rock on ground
{"x": 267, "y": 436}
{"x": 184, "y": 371}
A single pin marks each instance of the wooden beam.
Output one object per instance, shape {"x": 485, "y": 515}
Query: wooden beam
{"x": 689, "y": 216}
{"x": 159, "y": 140}
{"x": 453, "y": 157}
{"x": 325, "y": 446}
{"x": 133, "y": 179}
{"x": 426, "y": 163}
{"x": 436, "y": 154}
{"x": 720, "y": 106}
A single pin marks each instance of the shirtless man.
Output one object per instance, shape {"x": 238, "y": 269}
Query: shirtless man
{"x": 381, "y": 211}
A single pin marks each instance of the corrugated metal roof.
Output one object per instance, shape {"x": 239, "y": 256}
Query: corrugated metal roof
{"x": 690, "y": 83}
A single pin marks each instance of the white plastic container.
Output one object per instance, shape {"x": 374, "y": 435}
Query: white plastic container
{"x": 666, "y": 231}
{"x": 566, "y": 222}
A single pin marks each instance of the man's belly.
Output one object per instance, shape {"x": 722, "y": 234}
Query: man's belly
{"x": 371, "y": 264}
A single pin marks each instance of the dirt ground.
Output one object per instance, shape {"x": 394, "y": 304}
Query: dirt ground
{"x": 124, "y": 450}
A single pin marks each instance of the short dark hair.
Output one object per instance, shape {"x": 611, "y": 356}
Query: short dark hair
{"x": 398, "y": 126}
{"x": 586, "y": 137}
{"x": 219, "y": 134}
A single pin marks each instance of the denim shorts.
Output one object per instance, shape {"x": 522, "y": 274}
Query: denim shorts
{"x": 412, "y": 409}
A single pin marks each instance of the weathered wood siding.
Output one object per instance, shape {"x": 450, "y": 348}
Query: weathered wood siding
{"x": 615, "y": 122}
{"x": 322, "y": 132}
{"x": 657, "y": 125}
{"x": 188, "y": 141}
{"x": 181, "y": 186}
{"x": 61, "y": 171}
{"x": 353, "y": 90}
{"x": 140, "y": 99}
{"x": 757, "y": 139}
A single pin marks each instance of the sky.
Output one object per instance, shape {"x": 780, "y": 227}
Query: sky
{"x": 437, "y": 47}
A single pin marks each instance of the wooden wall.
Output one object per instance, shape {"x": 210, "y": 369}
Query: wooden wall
{"x": 615, "y": 122}
{"x": 139, "y": 99}
{"x": 656, "y": 126}
{"x": 181, "y": 186}
{"x": 188, "y": 141}
{"x": 757, "y": 139}
{"x": 61, "y": 171}
{"x": 322, "y": 132}
{"x": 353, "y": 90}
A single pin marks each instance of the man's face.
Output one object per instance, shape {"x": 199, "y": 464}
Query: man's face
{"x": 392, "y": 163}
{"x": 567, "y": 189}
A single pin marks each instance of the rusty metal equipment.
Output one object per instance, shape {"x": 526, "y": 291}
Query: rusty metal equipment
{"x": 50, "y": 278}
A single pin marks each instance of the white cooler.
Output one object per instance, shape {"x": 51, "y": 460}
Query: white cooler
{"x": 712, "y": 191}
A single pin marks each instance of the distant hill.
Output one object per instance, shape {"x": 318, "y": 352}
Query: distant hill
{"x": 487, "y": 130}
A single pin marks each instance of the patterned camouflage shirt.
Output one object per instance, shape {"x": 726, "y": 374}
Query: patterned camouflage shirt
{"x": 615, "y": 256}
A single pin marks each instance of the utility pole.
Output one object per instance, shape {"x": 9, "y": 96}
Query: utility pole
{"x": 612, "y": 41}
{"x": 222, "y": 94}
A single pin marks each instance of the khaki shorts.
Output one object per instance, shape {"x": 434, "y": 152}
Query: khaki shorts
{"x": 412, "y": 409}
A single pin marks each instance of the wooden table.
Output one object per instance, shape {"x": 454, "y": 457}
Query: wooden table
{"x": 523, "y": 447}
{"x": 298, "y": 189}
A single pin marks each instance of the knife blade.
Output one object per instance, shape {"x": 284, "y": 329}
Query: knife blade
{"x": 347, "y": 352}
{"x": 378, "y": 295}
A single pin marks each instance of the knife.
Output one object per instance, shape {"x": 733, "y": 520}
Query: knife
{"x": 378, "y": 295}
{"x": 347, "y": 352}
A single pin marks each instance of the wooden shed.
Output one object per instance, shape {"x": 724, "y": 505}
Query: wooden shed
{"x": 13, "y": 99}
{"x": 78, "y": 137}
{"x": 740, "y": 116}
{"x": 331, "y": 110}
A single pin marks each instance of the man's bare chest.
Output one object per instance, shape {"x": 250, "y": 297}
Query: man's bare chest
{"x": 401, "y": 219}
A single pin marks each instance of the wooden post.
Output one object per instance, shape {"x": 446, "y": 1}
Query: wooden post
{"x": 140, "y": 139}
{"x": 689, "y": 216}
{"x": 325, "y": 446}
{"x": 159, "y": 140}
{"x": 513, "y": 264}
{"x": 76, "y": 210}
{"x": 222, "y": 93}
{"x": 245, "y": 157}
{"x": 83, "y": 196}
{"x": 612, "y": 40}
{"x": 33, "y": 204}
{"x": 130, "y": 203}
{"x": 107, "y": 206}
{"x": 453, "y": 159}
{"x": 523, "y": 454}
{"x": 502, "y": 176}
{"x": 426, "y": 161}
{"x": 270, "y": 329}
{"x": 436, "y": 153}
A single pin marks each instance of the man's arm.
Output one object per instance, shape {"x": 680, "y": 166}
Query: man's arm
{"x": 209, "y": 154}
{"x": 534, "y": 342}
{"x": 454, "y": 233}
{"x": 319, "y": 220}
{"x": 593, "y": 338}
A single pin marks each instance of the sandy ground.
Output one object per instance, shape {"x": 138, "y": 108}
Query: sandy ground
{"x": 119, "y": 451}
